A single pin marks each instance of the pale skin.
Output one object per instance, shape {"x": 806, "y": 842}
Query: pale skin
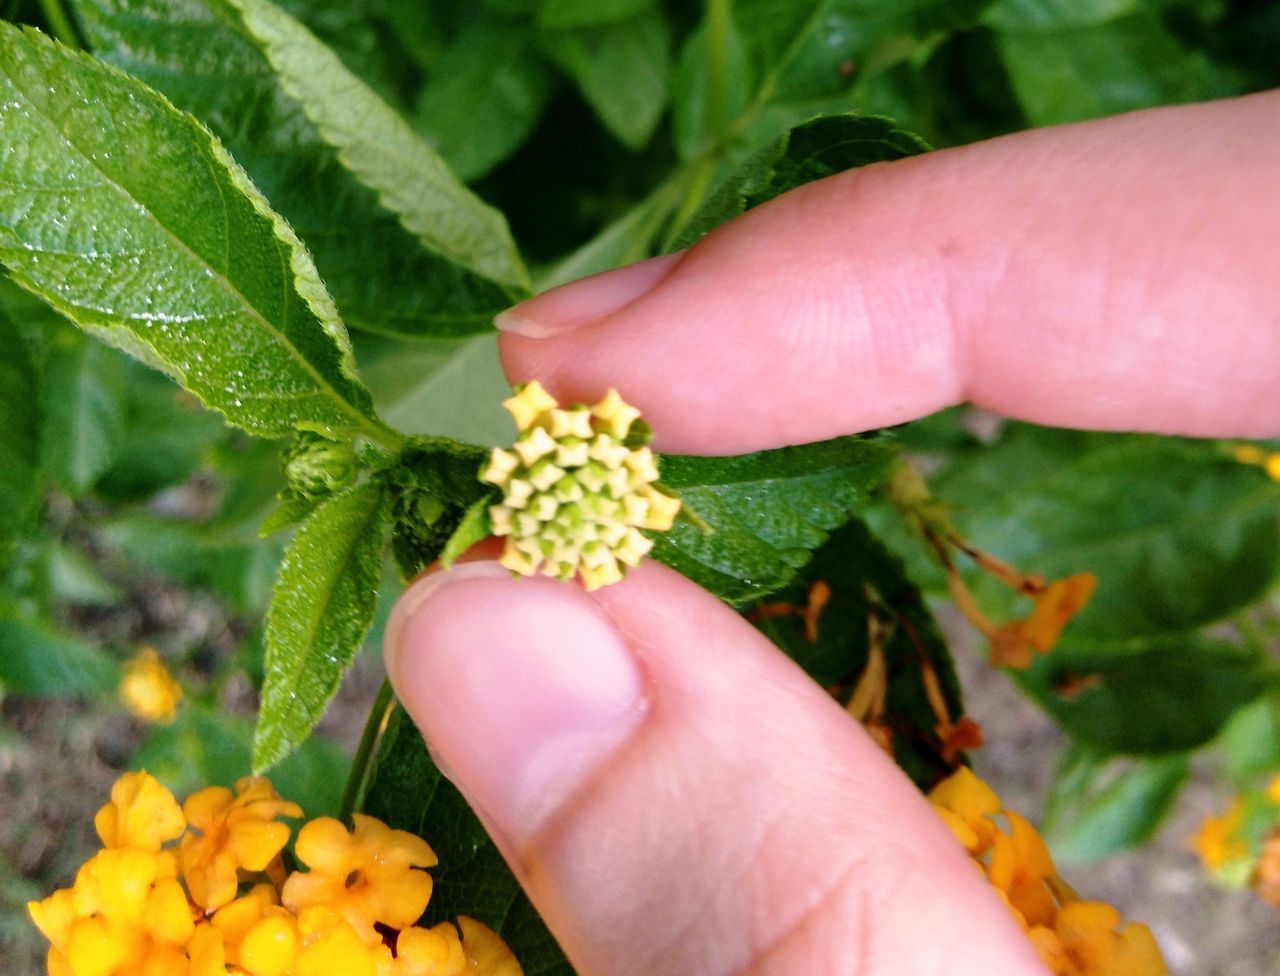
{"x": 675, "y": 795}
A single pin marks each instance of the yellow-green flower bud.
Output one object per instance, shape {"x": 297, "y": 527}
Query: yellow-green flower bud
{"x": 575, "y": 495}
{"x": 315, "y": 465}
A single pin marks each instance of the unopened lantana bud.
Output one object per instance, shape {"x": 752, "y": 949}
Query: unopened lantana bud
{"x": 315, "y": 465}
{"x": 577, "y": 491}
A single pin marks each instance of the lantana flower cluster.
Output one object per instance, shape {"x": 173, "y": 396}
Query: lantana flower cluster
{"x": 202, "y": 889}
{"x": 1073, "y": 937}
{"x": 578, "y": 489}
{"x": 1240, "y": 846}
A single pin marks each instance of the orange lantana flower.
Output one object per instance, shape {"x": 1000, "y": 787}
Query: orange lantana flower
{"x": 233, "y": 832}
{"x": 369, "y": 875}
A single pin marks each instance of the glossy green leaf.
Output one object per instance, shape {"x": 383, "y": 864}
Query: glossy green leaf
{"x": 1092, "y": 71}
{"x": 621, "y": 69}
{"x": 377, "y": 145}
{"x": 485, "y": 97}
{"x": 407, "y": 792}
{"x": 808, "y": 152}
{"x": 131, "y": 219}
{"x": 321, "y": 608}
{"x": 766, "y": 511}
{"x": 1177, "y": 534}
{"x": 1099, "y": 807}
{"x": 865, "y": 579}
{"x": 200, "y": 55}
{"x": 21, "y": 424}
{"x": 205, "y": 747}
{"x": 35, "y": 659}
{"x": 1160, "y": 695}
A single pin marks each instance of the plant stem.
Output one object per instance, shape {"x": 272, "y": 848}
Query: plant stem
{"x": 60, "y": 23}
{"x": 361, "y": 763}
{"x": 719, "y": 24}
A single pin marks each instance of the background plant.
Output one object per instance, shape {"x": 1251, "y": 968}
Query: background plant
{"x": 419, "y": 152}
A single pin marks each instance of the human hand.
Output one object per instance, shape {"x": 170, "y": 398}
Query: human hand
{"x": 675, "y": 795}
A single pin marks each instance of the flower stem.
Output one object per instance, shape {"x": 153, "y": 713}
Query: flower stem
{"x": 362, "y": 762}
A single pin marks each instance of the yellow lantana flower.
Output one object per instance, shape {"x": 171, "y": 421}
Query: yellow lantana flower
{"x": 141, "y": 814}
{"x": 369, "y": 875}
{"x": 1219, "y": 841}
{"x": 148, "y": 689}
{"x": 966, "y": 805}
{"x": 577, "y": 490}
{"x": 1071, "y": 936}
{"x": 141, "y": 908}
{"x": 234, "y": 832}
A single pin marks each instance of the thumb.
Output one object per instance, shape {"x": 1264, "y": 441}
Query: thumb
{"x": 677, "y": 796}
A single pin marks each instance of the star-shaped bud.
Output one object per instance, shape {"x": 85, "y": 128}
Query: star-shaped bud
{"x": 577, "y": 491}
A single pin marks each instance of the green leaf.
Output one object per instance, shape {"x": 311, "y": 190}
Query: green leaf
{"x": 808, "y": 152}
{"x": 323, "y": 603}
{"x": 441, "y": 387}
{"x": 1051, "y": 16}
{"x": 207, "y": 747}
{"x": 38, "y": 660}
{"x": 1177, "y": 534}
{"x": 1160, "y": 695}
{"x": 131, "y": 219}
{"x": 767, "y": 511}
{"x": 854, "y": 565}
{"x": 377, "y": 145}
{"x": 474, "y": 527}
{"x": 201, "y": 56}
{"x": 166, "y": 435}
{"x": 407, "y": 792}
{"x": 237, "y": 568}
{"x": 1251, "y": 742}
{"x": 1088, "y": 72}
{"x": 560, "y": 14}
{"x": 696, "y": 120}
{"x": 622, "y": 70}
{"x": 1099, "y": 807}
{"x": 84, "y": 392}
{"x": 73, "y": 579}
{"x": 21, "y": 425}
{"x": 485, "y": 97}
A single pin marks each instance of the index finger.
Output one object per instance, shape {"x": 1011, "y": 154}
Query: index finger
{"x": 1116, "y": 274}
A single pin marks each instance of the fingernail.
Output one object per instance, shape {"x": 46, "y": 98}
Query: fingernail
{"x": 521, "y": 688}
{"x": 578, "y": 303}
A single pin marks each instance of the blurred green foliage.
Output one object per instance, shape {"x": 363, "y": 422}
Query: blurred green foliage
{"x": 605, "y": 131}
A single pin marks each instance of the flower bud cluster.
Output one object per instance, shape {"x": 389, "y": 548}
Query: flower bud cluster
{"x": 202, "y": 890}
{"x": 577, "y": 489}
{"x": 1072, "y": 936}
